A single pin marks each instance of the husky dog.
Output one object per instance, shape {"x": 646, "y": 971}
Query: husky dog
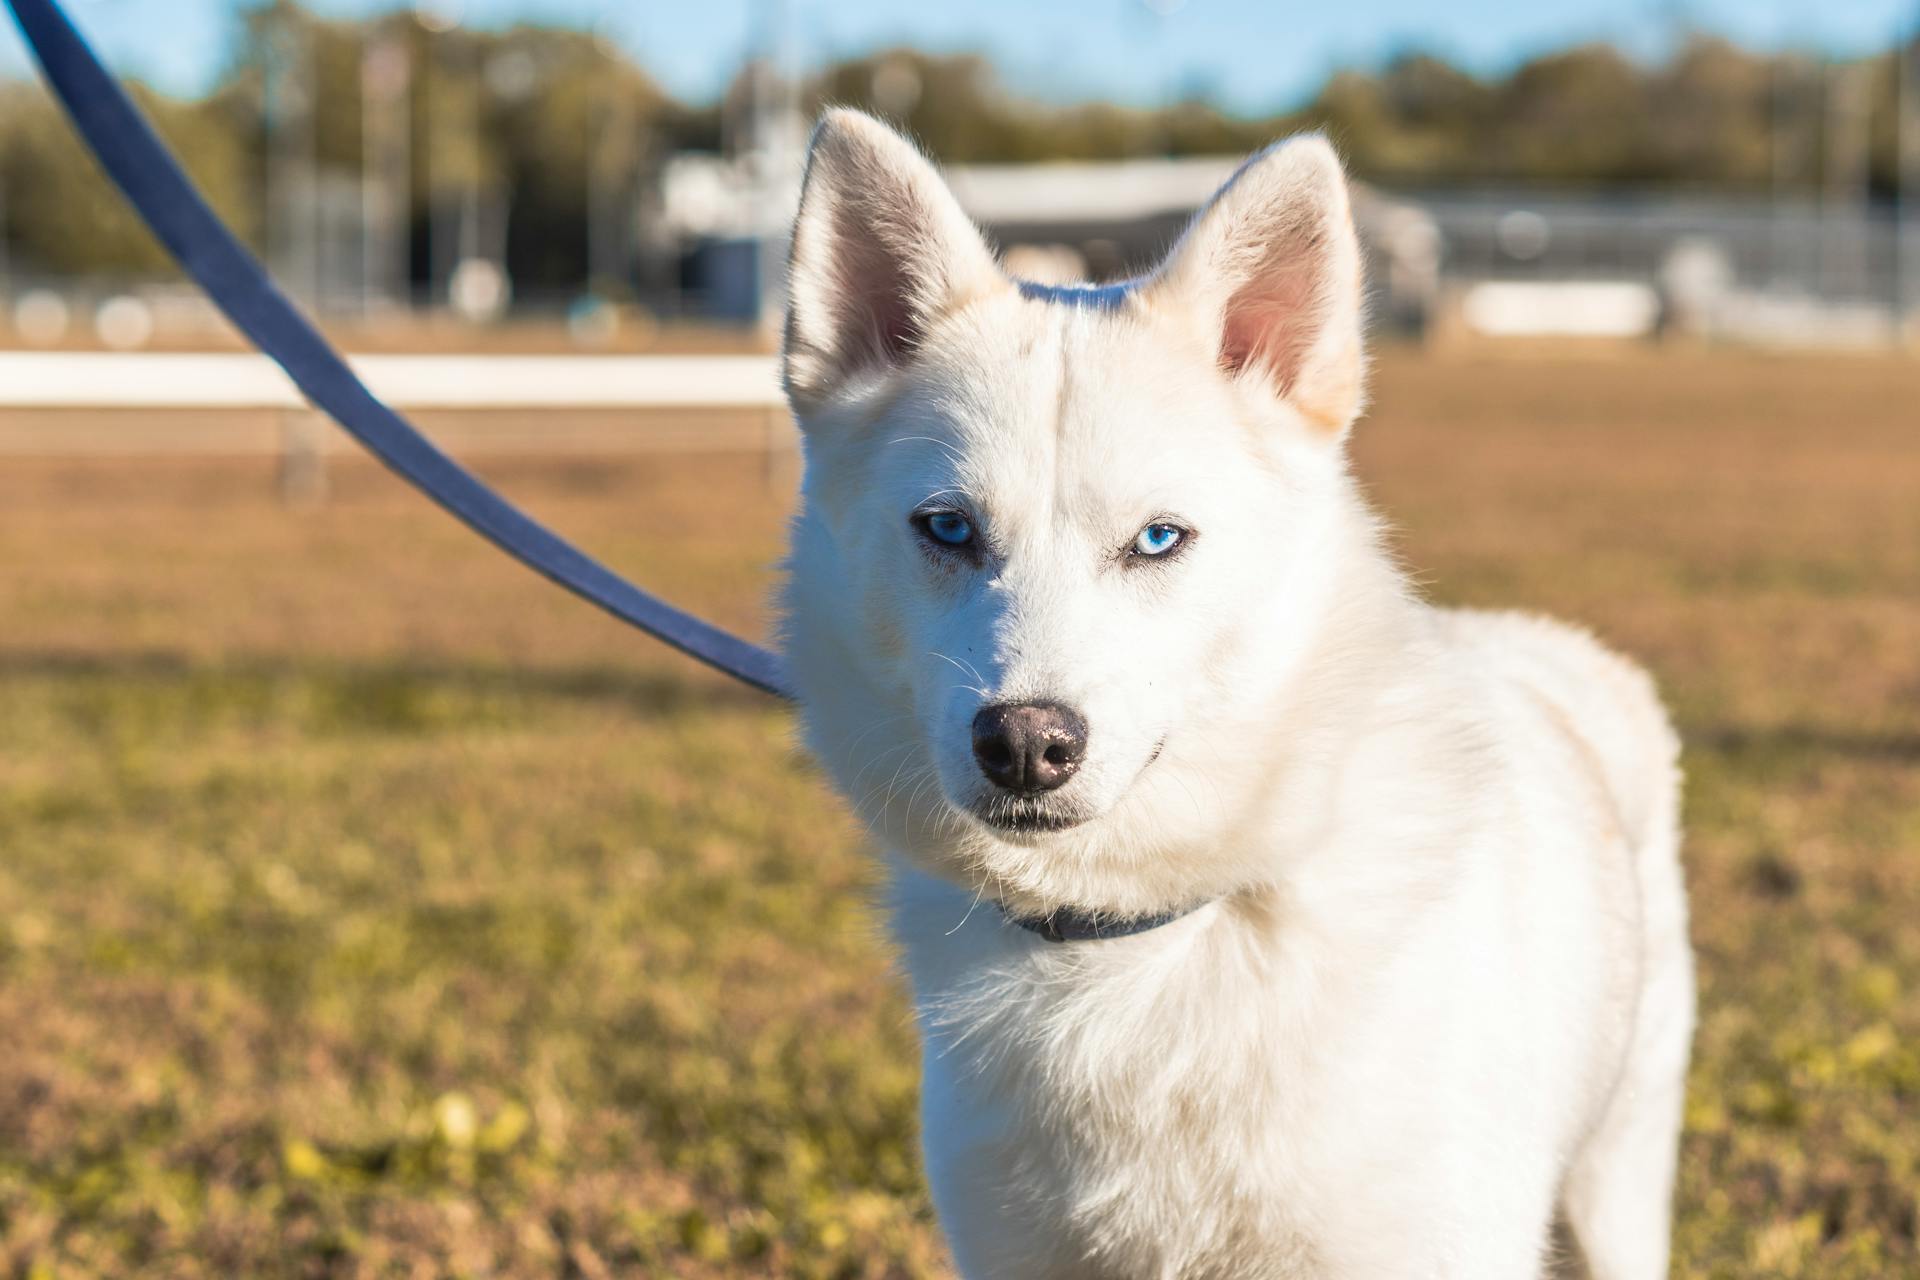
{"x": 1262, "y": 919}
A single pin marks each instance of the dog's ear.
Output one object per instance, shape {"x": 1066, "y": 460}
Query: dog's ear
{"x": 1271, "y": 266}
{"x": 880, "y": 251}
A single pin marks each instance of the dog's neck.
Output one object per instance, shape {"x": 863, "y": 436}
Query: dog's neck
{"x": 1068, "y": 924}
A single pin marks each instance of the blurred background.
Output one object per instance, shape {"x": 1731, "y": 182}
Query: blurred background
{"x": 1739, "y": 172}
{"x": 369, "y": 907}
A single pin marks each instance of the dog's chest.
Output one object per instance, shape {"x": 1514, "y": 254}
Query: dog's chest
{"x": 1154, "y": 1122}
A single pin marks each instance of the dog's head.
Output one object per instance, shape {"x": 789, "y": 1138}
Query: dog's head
{"x": 1062, "y": 549}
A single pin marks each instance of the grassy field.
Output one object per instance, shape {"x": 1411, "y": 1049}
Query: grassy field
{"x": 369, "y": 907}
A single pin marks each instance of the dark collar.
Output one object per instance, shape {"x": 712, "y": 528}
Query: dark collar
{"x": 1070, "y": 924}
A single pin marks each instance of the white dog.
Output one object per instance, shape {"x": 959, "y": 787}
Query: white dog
{"x": 1263, "y": 920}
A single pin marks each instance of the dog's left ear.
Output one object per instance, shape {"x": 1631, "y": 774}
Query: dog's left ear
{"x": 1271, "y": 266}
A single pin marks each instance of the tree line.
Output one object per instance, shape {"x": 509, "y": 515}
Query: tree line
{"x": 546, "y": 121}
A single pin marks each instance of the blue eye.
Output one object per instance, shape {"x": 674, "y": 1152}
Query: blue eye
{"x": 1158, "y": 539}
{"x": 949, "y": 528}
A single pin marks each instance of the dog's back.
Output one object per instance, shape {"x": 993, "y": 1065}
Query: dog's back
{"x": 1607, "y": 707}
{"x": 1605, "y": 703}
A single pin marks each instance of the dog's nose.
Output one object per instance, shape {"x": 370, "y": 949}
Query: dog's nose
{"x": 1029, "y": 746}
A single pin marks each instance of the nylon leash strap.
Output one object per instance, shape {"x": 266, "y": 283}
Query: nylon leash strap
{"x": 166, "y": 199}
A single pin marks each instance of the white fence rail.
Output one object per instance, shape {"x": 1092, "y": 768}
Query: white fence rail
{"x": 142, "y": 380}
{"x": 66, "y": 404}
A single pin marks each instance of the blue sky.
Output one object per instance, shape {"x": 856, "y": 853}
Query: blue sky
{"x": 1253, "y": 56}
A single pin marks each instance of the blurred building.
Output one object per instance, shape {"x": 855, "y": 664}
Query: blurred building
{"x": 1060, "y": 221}
{"x": 1626, "y": 263}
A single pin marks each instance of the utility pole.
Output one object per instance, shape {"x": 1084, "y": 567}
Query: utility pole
{"x": 475, "y": 123}
{"x": 1906, "y": 180}
{"x": 610, "y": 149}
{"x": 386, "y": 168}
{"x": 1160, "y": 26}
{"x": 6, "y": 258}
{"x": 293, "y": 212}
{"x": 1843, "y": 213}
{"x": 775, "y": 156}
{"x": 1785, "y": 68}
{"x": 441, "y": 19}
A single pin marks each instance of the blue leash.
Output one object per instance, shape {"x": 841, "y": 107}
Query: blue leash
{"x": 166, "y": 199}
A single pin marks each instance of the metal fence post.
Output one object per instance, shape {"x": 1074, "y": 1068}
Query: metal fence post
{"x": 303, "y": 459}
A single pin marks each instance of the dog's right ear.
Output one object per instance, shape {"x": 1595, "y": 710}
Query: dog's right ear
{"x": 880, "y": 251}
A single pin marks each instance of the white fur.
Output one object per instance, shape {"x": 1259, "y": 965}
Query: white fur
{"x": 1440, "y": 987}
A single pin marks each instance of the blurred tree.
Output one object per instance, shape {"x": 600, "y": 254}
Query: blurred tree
{"x": 959, "y": 111}
{"x": 1584, "y": 115}
{"x": 1442, "y": 117}
{"x": 510, "y": 121}
{"x": 546, "y": 129}
{"x": 569, "y": 118}
{"x": 1714, "y": 106}
{"x": 64, "y": 216}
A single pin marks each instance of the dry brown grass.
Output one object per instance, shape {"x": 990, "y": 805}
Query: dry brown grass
{"x": 367, "y": 905}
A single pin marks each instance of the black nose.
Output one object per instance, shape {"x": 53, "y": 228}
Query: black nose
{"x": 1029, "y": 746}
